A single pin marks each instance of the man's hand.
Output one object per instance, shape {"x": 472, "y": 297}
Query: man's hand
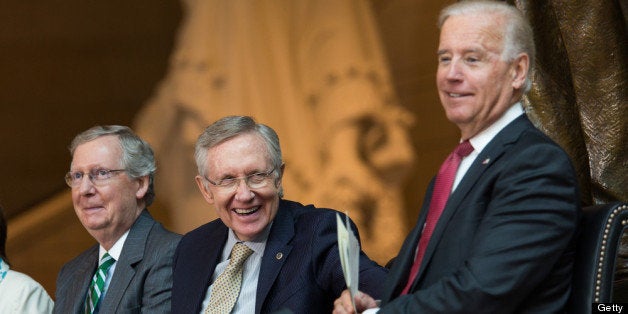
{"x": 363, "y": 301}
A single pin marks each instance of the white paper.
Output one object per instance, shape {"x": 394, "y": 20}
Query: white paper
{"x": 349, "y": 250}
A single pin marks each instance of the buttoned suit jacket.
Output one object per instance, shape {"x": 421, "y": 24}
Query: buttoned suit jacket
{"x": 506, "y": 238}
{"x": 300, "y": 269}
{"x": 142, "y": 279}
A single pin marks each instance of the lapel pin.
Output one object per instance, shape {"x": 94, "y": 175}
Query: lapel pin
{"x": 279, "y": 256}
{"x": 486, "y": 161}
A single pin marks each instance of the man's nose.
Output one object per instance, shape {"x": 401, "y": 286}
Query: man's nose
{"x": 243, "y": 191}
{"x": 454, "y": 70}
{"x": 86, "y": 185}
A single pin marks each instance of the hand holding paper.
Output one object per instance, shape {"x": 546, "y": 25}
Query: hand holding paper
{"x": 349, "y": 250}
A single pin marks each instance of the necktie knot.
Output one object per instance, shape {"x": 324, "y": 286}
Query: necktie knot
{"x": 106, "y": 261}
{"x": 463, "y": 149}
{"x": 239, "y": 253}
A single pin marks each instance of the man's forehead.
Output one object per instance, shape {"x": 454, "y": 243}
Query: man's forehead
{"x": 246, "y": 153}
{"x": 104, "y": 149}
{"x": 470, "y": 34}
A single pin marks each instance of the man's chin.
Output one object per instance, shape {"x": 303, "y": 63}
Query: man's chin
{"x": 92, "y": 224}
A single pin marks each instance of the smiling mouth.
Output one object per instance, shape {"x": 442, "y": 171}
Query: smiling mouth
{"x": 456, "y": 95}
{"x": 246, "y": 211}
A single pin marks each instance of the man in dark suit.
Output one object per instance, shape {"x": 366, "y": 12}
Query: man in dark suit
{"x": 503, "y": 240}
{"x": 111, "y": 177}
{"x": 294, "y": 264}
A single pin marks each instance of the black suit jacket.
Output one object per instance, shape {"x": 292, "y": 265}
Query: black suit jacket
{"x": 305, "y": 278}
{"x": 505, "y": 241}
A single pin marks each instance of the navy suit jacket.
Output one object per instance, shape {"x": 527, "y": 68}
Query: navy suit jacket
{"x": 505, "y": 241}
{"x": 141, "y": 281}
{"x": 300, "y": 270}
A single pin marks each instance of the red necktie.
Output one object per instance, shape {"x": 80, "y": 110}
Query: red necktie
{"x": 442, "y": 189}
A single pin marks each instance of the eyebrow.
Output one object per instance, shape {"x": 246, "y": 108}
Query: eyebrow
{"x": 248, "y": 173}
{"x": 465, "y": 51}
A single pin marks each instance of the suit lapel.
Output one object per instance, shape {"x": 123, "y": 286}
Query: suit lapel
{"x": 492, "y": 152}
{"x": 210, "y": 251}
{"x": 132, "y": 253}
{"x": 276, "y": 252}
{"x": 85, "y": 271}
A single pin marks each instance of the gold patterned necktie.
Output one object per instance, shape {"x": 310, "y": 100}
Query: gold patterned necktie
{"x": 227, "y": 286}
{"x": 98, "y": 284}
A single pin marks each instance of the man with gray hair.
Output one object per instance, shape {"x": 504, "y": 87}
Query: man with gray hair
{"x": 130, "y": 269}
{"x": 264, "y": 253}
{"x": 497, "y": 230}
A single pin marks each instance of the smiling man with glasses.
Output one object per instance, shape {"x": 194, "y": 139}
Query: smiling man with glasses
{"x": 287, "y": 252}
{"x": 130, "y": 269}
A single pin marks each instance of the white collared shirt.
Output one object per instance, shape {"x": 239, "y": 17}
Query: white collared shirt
{"x": 480, "y": 140}
{"x": 115, "y": 252}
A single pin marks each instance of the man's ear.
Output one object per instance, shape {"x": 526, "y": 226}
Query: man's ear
{"x": 280, "y": 175}
{"x": 281, "y": 169}
{"x": 202, "y": 186}
{"x": 520, "y": 68}
{"x": 142, "y": 188}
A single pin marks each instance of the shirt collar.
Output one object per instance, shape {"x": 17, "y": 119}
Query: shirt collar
{"x": 257, "y": 245}
{"x": 116, "y": 249}
{"x": 482, "y": 139}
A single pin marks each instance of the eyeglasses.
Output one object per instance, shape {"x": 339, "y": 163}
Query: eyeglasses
{"x": 253, "y": 181}
{"x": 97, "y": 176}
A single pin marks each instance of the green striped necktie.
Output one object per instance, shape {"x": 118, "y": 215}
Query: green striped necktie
{"x": 98, "y": 284}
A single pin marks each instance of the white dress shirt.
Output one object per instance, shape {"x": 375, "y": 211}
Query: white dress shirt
{"x": 480, "y": 140}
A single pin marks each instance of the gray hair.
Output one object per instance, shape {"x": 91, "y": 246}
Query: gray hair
{"x": 518, "y": 34}
{"x": 138, "y": 159}
{"x": 230, "y": 127}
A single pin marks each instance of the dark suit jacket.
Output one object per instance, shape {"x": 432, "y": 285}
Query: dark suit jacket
{"x": 306, "y": 278}
{"x": 505, "y": 241}
{"x": 142, "y": 279}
